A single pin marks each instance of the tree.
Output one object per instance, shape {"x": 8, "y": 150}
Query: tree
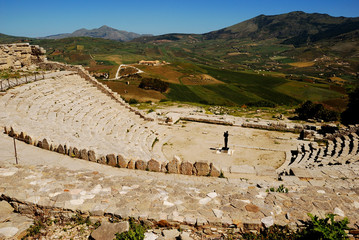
{"x": 310, "y": 110}
{"x": 351, "y": 114}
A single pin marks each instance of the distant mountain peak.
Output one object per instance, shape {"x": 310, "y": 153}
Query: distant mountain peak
{"x": 104, "y": 31}
{"x": 105, "y": 27}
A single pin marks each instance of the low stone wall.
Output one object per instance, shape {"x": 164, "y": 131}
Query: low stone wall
{"x": 275, "y": 127}
{"x": 19, "y": 55}
{"x": 174, "y": 166}
{"x": 207, "y": 120}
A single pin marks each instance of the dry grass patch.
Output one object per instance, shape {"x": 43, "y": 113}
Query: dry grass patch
{"x": 236, "y": 53}
{"x": 338, "y": 80}
{"x": 202, "y": 79}
{"x": 302, "y": 64}
{"x": 133, "y": 91}
{"x": 165, "y": 72}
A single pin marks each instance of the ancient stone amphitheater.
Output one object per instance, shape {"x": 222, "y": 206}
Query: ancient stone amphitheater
{"x": 64, "y": 110}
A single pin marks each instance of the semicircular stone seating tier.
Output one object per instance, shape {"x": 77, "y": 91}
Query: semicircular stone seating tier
{"x": 341, "y": 150}
{"x": 69, "y": 110}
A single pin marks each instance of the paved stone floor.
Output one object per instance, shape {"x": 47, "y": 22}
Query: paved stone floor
{"x": 49, "y": 179}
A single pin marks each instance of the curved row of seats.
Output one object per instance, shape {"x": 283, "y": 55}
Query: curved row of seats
{"x": 69, "y": 110}
{"x": 339, "y": 151}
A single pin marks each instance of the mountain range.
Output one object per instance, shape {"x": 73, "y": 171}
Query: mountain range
{"x": 295, "y": 28}
{"x": 105, "y": 32}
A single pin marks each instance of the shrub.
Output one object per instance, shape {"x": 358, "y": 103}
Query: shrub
{"x": 154, "y": 84}
{"x": 309, "y": 110}
{"x": 273, "y": 232}
{"x": 133, "y": 101}
{"x": 314, "y": 229}
{"x": 136, "y": 232}
{"x": 351, "y": 114}
{"x": 281, "y": 189}
{"x": 326, "y": 228}
{"x": 34, "y": 229}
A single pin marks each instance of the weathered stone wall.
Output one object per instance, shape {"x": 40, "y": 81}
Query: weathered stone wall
{"x": 19, "y": 55}
{"x": 175, "y": 166}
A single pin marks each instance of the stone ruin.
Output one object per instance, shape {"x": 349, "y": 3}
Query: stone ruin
{"x": 20, "y": 55}
{"x": 321, "y": 177}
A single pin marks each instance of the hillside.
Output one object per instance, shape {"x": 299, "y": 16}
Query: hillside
{"x": 294, "y": 27}
{"x": 102, "y": 32}
{"x": 252, "y": 62}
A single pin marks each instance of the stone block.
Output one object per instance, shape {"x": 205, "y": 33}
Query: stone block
{"x": 173, "y": 166}
{"x": 141, "y": 165}
{"x": 107, "y": 230}
{"x": 263, "y": 170}
{"x": 171, "y": 234}
{"x": 214, "y": 171}
{"x": 186, "y": 168}
{"x": 21, "y": 137}
{"x": 252, "y": 208}
{"x": 84, "y": 154}
{"x": 122, "y": 163}
{"x": 202, "y": 168}
{"x": 5, "y": 208}
{"x": 242, "y": 169}
{"x": 71, "y": 152}
{"x": 28, "y": 140}
{"x": 92, "y": 156}
{"x": 111, "y": 160}
{"x": 102, "y": 160}
{"x": 131, "y": 164}
{"x": 153, "y": 166}
{"x": 12, "y": 133}
{"x": 301, "y": 173}
{"x": 76, "y": 153}
{"x": 45, "y": 144}
{"x": 60, "y": 149}
{"x": 268, "y": 221}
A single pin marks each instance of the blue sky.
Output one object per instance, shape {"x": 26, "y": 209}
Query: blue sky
{"x": 46, "y": 17}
